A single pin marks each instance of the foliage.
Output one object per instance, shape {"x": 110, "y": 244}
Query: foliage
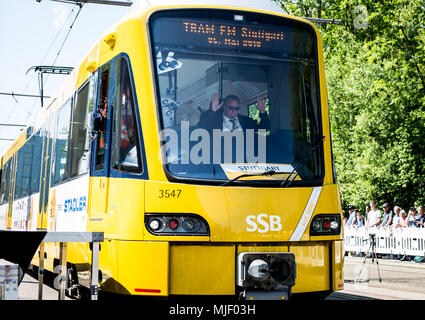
{"x": 375, "y": 68}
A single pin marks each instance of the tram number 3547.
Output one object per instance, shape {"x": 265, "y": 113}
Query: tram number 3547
{"x": 175, "y": 193}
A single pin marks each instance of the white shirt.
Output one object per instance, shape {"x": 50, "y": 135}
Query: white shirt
{"x": 373, "y": 216}
{"x": 396, "y": 220}
{"x": 228, "y": 124}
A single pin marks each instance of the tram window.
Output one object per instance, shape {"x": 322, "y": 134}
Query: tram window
{"x": 62, "y": 143}
{"x": 102, "y": 113}
{"x": 5, "y": 180}
{"x": 125, "y": 146}
{"x": 18, "y": 178}
{"x": 37, "y": 146}
{"x": 23, "y": 172}
{"x": 80, "y": 135}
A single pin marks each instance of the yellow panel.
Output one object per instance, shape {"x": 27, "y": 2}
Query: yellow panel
{"x": 232, "y": 217}
{"x": 119, "y": 217}
{"x": 202, "y": 269}
{"x": 312, "y": 267}
{"x": 338, "y": 265}
{"x": 143, "y": 267}
{"x": 226, "y": 209}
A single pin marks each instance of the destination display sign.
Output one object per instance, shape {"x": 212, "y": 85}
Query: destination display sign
{"x": 195, "y": 33}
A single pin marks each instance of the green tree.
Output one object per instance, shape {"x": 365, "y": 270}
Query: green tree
{"x": 375, "y": 69}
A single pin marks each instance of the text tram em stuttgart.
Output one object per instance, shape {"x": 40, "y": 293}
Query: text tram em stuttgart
{"x": 198, "y": 141}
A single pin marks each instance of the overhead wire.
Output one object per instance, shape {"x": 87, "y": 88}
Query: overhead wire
{"x": 51, "y": 45}
{"x": 80, "y": 5}
{"x": 42, "y": 60}
{"x": 29, "y": 114}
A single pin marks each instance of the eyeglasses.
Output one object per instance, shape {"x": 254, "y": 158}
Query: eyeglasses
{"x": 233, "y": 107}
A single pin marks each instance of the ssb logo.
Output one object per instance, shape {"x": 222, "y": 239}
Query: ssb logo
{"x": 263, "y": 223}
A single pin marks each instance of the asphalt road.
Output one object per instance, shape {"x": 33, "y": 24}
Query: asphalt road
{"x": 400, "y": 280}
{"x": 28, "y": 290}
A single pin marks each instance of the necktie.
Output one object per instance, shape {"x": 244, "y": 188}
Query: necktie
{"x": 233, "y": 124}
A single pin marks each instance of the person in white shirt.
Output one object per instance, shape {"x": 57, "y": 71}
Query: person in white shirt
{"x": 396, "y": 218}
{"x": 374, "y": 215}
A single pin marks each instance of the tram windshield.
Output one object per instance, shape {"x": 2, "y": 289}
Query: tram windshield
{"x": 238, "y": 94}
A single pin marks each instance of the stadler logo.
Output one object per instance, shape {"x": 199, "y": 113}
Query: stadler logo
{"x": 75, "y": 204}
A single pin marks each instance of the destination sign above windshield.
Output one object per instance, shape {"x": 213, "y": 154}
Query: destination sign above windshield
{"x": 232, "y": 35}
{"x": 191, "y": 33}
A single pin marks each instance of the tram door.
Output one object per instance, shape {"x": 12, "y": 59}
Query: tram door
{"x": 46, "y": 136}
{"x": 11, "y": 191}
{"x": 101, "y": 144}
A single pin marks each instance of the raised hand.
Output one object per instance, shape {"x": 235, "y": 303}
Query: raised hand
{"x": 215, "y": 102}
{"x": 261, "y": 103}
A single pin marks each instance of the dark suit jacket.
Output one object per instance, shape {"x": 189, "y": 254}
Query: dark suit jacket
{"x": 214, "y": 120}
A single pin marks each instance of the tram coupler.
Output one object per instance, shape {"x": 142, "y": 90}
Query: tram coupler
{"x": 266, "y": 275}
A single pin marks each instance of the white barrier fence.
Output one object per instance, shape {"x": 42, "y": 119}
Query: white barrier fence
{"x": 8, "y": 280}
{"x": 404, "y": 241}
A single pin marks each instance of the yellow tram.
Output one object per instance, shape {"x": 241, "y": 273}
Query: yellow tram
{"x": 198, "y": 140}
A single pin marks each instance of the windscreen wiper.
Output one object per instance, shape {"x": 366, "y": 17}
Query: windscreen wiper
{"x": 300, "y": 157}
{"x": 266, "y": 173}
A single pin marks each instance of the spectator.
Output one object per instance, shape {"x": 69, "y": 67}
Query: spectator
{"x": 403, "y": 220}
{"x": 351, "y": 217}
{"x": 388, "y": 216}
{"x": 411, "y": 217}
{"x": 367, "y": 209}
{"x": 359, "y": 220}
{"x": 420, "y": 218}
{"x": 396, "y": 218}
{"x": 374, "y": 216}
{"x": 419, "y": 223}
{"x": 344, "y": 217}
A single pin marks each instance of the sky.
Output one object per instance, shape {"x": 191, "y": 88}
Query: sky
{"x": 32, "y": 33}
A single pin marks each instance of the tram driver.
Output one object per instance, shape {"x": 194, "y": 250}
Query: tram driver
{"x": 225, "y": 115}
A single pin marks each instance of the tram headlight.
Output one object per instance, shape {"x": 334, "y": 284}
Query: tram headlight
{"x": 156, "y": 224}
{"x": 190, "y": 225}
{"x": 161, "y": 224}
{"x": 316, "y": 225}
{"x": 325, "y": 224}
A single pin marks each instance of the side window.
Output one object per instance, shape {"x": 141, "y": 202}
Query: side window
{"x": 62, "y": 142}
{"x": 36, "y": 147}
{"x": 23, "y": 173}
{"x": 5, "y": 180}
{"x": 26, "y": 174}
{"x": 80, "y": 134}
{"x": 101, "y": 124}
{"x": 19, "y": 174}
{"x": 125, "y": 141}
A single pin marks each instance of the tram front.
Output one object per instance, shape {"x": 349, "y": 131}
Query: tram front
{"x": 251, "y": 206}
